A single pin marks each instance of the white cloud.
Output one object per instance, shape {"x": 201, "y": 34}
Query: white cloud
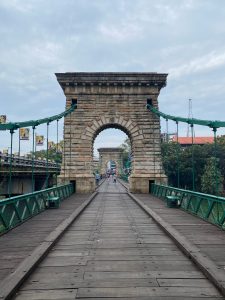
{"x": 24, "y": 6}
{"x": 200, "y": 64}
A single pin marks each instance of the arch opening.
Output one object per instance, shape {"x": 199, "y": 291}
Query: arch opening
{"x": 111, "y": 148}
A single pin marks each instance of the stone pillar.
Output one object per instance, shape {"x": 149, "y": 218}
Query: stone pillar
{"x": 112, "y": 100}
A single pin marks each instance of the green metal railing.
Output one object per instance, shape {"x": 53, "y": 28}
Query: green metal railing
{"x": 208, "y": 207}
{"x": 16, "y": 210}
{"x": 124, "y": 177}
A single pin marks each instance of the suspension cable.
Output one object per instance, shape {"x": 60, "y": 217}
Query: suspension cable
{"x": 31, "y": 123}
{"x": 57, "y": 147}
{"x": 178, "y": 157}
{"x": 192, "y": 157}
{"x": 209, "y": 123}
{"x": 10, "y": 167}
{"x": 33, "y": 155}
{"x": 47, "y": 171}
{"x": 70, "y": 147}
{"x": 215, "y": 161}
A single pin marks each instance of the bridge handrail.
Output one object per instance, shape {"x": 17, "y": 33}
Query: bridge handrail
{"x": 25, "y": 161}
{"x": 18, "y": 209}
{"x": 208, "y": 207}
{"x": 34, "y": 123}
{"x": 191, "y": 121}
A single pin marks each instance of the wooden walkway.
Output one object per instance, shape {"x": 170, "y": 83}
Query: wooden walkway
{"x": 19, "y": 243}
{"x": 207, "y": 237}
{"x": 114, "y": 250}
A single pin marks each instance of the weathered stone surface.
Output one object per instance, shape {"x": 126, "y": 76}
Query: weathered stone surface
{"x": 110, "y": 154}
{"x": 112, "y": 100}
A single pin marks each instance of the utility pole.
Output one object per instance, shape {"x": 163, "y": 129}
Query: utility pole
{"x": 190, "y": 116}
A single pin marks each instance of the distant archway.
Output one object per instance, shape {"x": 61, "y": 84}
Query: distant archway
{"x": 112, "y": 100}
{"x": 113, "y": 156}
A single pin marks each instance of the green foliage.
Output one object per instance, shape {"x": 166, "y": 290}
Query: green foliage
{"x": 212, "y": 179}
{"x": 173, "y": 154}
{"x": 126, "y": 146}
{"x": 52, "y": 153}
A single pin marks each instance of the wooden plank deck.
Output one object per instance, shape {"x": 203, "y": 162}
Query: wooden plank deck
{"x": 209, "y": 238}
{"x": 19, "y": 243}
{"x": 114, "y": 250}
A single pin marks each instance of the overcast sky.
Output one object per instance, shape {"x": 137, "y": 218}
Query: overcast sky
{"x": 184, "y": 38}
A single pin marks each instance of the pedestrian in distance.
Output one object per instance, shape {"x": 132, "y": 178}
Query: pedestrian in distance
{"x": 97, "y": 178}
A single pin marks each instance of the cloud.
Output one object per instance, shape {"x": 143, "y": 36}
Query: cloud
{"x": 200, "y": 64}
{"x": 183, "y": 38}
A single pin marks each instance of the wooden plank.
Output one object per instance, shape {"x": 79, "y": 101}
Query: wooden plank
{"x": 147, "y": 292}
{"x": 119, "y": 262}
{"x": 66, "y": 294}
{"x": 183, "y": 282}
{"x": 10, "y": 284}
{"x": 63, "y": 283}
{"x": 124, "y": 266}
{"x": 208, "y": 267}
{"x": 143, "y": 274}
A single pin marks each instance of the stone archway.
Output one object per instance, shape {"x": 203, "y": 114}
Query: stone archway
{"x": 110, "y": 154}
{"x": 112, "y": 100}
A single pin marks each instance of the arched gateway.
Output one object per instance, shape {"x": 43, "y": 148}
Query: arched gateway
{"x": 112, "y": 100}
{"x": 110, "y": 154}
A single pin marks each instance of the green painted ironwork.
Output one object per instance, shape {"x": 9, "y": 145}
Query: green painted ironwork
{"x": 47, "y": 171}
{"x": 192, "y": 157}
{"x": 209, "y": 123}
{"x": 34, "y": 123}
{"x": 208, "y": 207}
{"x": 10, "y": 166}
{"x": 124, "y": 177}
{"x": 16, "y": 210}
{"x": 33, "y": 156}
{"x": 192, "y": 121}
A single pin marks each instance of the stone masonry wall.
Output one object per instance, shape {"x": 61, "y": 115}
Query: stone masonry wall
{"x": 112, "y": 100}
{"x": 110, "y": 154}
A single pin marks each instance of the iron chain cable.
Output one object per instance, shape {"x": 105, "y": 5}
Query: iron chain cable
{"x": 31, "y": 123}
{"x": 209, "y": 123}
{"x": 12, "y": 126}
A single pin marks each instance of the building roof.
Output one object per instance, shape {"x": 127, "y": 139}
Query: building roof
{"x": 197, "y": 140}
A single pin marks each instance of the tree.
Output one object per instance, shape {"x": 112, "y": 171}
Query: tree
{"x": 52, "y": 153}
{"x": 170, "y": 153}
{"x": 126, "y": 147}
{"x": 212, "y": 179}
{"x": 126, "y": 159}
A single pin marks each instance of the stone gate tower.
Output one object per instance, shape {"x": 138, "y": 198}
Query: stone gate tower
{"x": 107, "y": 154}
{"x": 112, "y": 100}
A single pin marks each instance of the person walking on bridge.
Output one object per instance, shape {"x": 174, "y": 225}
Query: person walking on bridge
{"x": 97, "y": 178}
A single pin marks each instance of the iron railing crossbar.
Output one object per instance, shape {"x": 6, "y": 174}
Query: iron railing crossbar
{"x": 208, "y": 207}
{"x": 18, "y": 209}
